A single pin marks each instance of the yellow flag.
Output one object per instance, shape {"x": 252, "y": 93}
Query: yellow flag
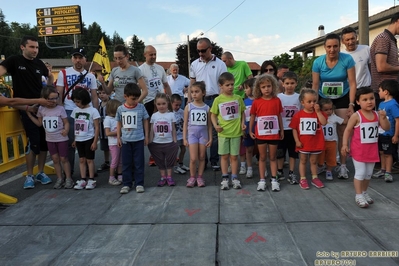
{"x": 101, "y": 58}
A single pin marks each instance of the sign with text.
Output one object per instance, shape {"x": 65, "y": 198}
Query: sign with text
{"x": 62, "y": 20}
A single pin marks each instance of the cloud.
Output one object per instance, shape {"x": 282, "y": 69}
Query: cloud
{"x": 190, "y": 10}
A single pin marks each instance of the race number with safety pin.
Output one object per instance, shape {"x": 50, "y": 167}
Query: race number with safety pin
{"x": 332, "y": 90}
{"x": 162, "y": 129}
{"x": 129, "y": 120}
{"x": 50, "y": 123}
{"x": 81, "y": 127}
{"x": 268, "y": 125}
{"x": 229, "y": 110}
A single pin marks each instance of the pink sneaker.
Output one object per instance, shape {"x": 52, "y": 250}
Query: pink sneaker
{"x": 170, "y": 181}
{"x": 191, "y": 182}
{"x": 200, "y": 182}
{"x": 161, "y": 182}
{"x": 317, "y": 183}
{"x": 303, "y": 183}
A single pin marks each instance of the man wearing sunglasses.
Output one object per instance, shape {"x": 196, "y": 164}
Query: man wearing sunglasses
{"x": 208, "y": 68}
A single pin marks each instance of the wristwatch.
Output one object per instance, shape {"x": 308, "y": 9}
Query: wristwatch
{"x": 352, "y": 104}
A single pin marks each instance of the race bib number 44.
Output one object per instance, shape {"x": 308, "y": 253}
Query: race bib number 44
{"x": 268, "y": 125}
{"x": 229, "y": 110}
{"x": 332, "y": 90}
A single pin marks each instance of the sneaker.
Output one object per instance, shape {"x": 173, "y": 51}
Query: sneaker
{"x": 178, "y": 170}
{"x": 161, "y": 182}
{"x": 185, "y": 168}
{"x": 236, "y": 183}
{"x": 91, "y": 184}
{"x": 280, "y": 175}
{"x": 243, "y": 170}
{"x": 275, "y": 186}
{"x": 317, "y": 183}
{"x": 261, "y": 186}
{"x": 114, "y": 182}
{"x": 379, "y": 174}
{"x": 342, "y": 172}
{"x": 103, "y": 167}
{"x": 59, "y": 183}
{"x": 321, "y": 169}
{"x": 124, "y": 190}
{"x": 250, "y": 173}
{"x": 303, "y": 183}
{"x": 43, "y": 178}
{"x": 361, "y": 201}
{"x": 200, "y": 182}
{"x": 151, "y": 161}
{"x": 29, "y": 182}
{"x": 215, "y": 167}
{"x": 120, "y": 178}
{"x": 368, "y": 198}
{"x": 388, "y": 178}
{"x": 191, "y": 182}
{"x": 292, "y": 179}
{"x": 329, "y": 176}
{"x": 80, "y": 184}
{"x": 170, "y": 181}
{"x": 69, "y": 183}
{"x": 225, "y": 184}
{"x": 139, "y": 189}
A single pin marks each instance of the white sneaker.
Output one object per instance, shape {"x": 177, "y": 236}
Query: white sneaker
{"x": 342, "y": 172}
{"x": 124, "y": 190}
{"x": 379, "y": 174}
{"x": 236, "y": 183}
{"x": 185, "y": 168}
{"x": 368, "y": 198}
{"x": 91, "y": 184}
{"x": 261, "y": 186}
{"x": 250, "y": 173}
{"x": 80, "y": 184}
{"x": 361, "y": 201}
{"x": 275, "y": 186}
{"x": 225, "y": 184}
{"x": 178, "y": 170}
{"x": 242, "y": 170}
{"x": 139, "y": 189}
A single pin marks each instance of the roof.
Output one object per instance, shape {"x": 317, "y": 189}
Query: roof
{"x": 384, "y": 15}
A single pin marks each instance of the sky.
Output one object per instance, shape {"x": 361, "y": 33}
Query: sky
{"x": 252, "y": 30}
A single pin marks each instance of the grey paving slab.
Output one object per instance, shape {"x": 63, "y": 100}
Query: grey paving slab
{"x": 257, "y": 244}
{"x": 331, "y": 240}
{"x": 296, "y": 204}
{"x": 38, "y": 245}
{"x": 389, "y": 190}
{"x": 107, "y": 245}
{"x": 179, "y": 244}
{"x": 247, "y": 205}
{"x": 343, "y": 195}
{"x": 33, "y": 209}
{"x": 7, "y": 233}
{"x": 384, "y": 231}
{"x": 84, "y": 208}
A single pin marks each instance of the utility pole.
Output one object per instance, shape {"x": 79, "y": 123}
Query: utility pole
{"x": 363, "y": 6}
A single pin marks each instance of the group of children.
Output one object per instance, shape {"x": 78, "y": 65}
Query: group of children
{"x": 275, "y": 122}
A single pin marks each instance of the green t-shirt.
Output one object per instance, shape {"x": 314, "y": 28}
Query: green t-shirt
{"x": 241, "y": 72}
{"x": 229, "y": 110}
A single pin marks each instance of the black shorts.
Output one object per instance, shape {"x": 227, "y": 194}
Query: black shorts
{"x": 104, "y": 145}
{"x": 36, "y": 135}
{"x": 385, "y": 145}
{"x": 270, "y": 142}
{"x": 84, "y": 149}
{"x": 341, "y": 103}
{"x": 288, "y": 143}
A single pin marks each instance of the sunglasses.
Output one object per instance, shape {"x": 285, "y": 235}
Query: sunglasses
{"x": 203, "y": 50}
{"x": 269, "y": 69}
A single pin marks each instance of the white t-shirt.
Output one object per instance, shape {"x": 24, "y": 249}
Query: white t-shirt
{"x": 362, "y": 59}
{"x": 84, "y": 122}
{"x": 155, "y": 77}
{"x": 291, "y": 105}
{"x": 162, "y": 126}
{"x": 330, "y": 129}
{"x": 110, "y": 122}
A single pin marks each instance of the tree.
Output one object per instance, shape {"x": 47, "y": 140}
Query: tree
{"x": 5, "y": 30}
{"x": 181, "y": 55}
{"x": 136, "y": 49}
{"x": 295, "y": 64}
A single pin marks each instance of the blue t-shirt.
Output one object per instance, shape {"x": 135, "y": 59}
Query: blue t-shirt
{"x": 248, "y": 103}
{"x": 339, "y": 73}
{"x": 132, "y": 122}
{"x": 391, "y": 107}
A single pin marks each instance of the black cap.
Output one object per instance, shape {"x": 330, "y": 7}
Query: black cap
{"x": 79, "y": 51}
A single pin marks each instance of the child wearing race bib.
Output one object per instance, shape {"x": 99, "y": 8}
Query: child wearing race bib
{"x": 328, "y": 155}
{"x": 110, "y": 126}
{"x": 228, "y": 119}
{"x": 362, "y": 127}
{"x": 132, "y": 135}
{"x": 197, "y": 132}
{"x": 388, "y": 140}
{"x": 55, "y": 123}
{"x": 179, "y": 115}
{"x": 87, "y": 127}
{"x": 102, "y": 109}
{"x": 163, "y": 143}
{"x": 308, "y": 135}
{"x": 248, "y": 142}
{"x": 267, "y": 109}
{"x": 291, "y": 105}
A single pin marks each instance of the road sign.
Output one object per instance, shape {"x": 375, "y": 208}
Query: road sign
{"x": 62, "y": 20}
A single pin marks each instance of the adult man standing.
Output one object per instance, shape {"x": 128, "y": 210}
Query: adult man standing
{"x": 361, "y": 55}
{"x": 178, "y": 83}
{"x": 67, "y": 78}
{"x": 208, "y": 68}
{"x": 27, "y": 71}
{"x": 384, "y": 55}
{"x": 240, "y": 71}
{"x": 281, "y": 70}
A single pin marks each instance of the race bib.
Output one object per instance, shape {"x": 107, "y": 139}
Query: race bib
{"x": 308, "y": 126}
{"x": 162, "y": 129}
{"x": 154, "y": 83}
{"x": 247, "y": 113}
{"x": 332, "y": 90}
{"x": 267, "y": 125}
{"x": 129, "y": 120}
{"x": 288, "y": 113}
{"x": 369, "y": 132}
{"x": 229, "y": 110}
{"x": 198, "y": 117}
{"x": 81, "y": 127}
{"x": 328, "y": 131}
{"x": 50, "y": 123}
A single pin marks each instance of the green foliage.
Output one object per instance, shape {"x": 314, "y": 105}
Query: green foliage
{"x": 295, "y": 63}
{"x": 136, "y": 49}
